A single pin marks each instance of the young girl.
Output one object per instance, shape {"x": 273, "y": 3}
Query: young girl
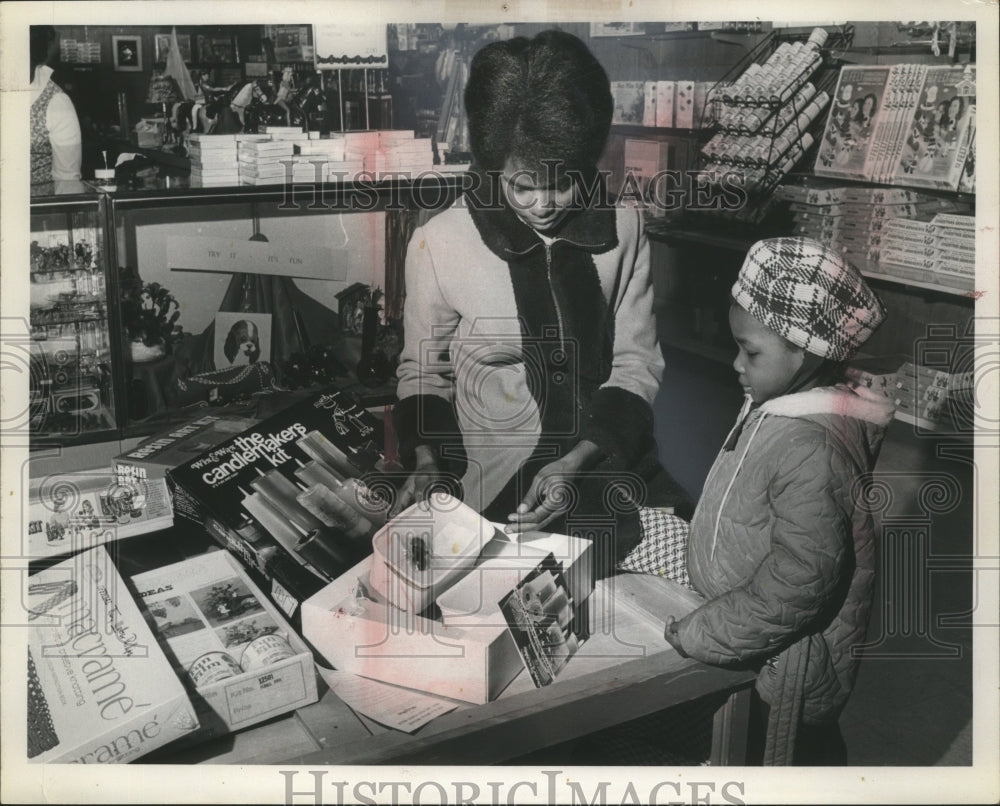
{"x": 779, "y": 545}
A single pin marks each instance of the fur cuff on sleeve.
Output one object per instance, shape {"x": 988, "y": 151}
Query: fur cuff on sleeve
{"x": 620, "y": 423}
{"x": 428, "y": 420}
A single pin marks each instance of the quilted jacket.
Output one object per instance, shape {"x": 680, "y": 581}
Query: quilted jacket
{"x": 783, "y": 549}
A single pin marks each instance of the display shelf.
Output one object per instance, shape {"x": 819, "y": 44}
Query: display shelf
{"x": 72, "y": 394}
{"x": 946, "y": 426}
{"x": 635, "y": 130}
{"x": 335, "y": 195}
{"x": 811, "y": 180}
{"x": 922, "y": 279}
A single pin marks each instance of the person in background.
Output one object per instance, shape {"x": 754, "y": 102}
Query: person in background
{"x": 781, "y": 544}
{"x": 531, "y": 357}
{"x": 56, "y": 142}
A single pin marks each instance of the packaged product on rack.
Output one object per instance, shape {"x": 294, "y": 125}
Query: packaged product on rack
{"x": 629, "y": 99}
{"x": 941, "y": 129}
{"x": 908, "y": 124}
{"x": 288, "y": 496}
{"x": 856, "y": 108}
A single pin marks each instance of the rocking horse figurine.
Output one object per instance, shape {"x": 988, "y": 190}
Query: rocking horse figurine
{"x": 233, "y": 118}
{"x": 312, "y": 103}
{"x": 202, "y": 114}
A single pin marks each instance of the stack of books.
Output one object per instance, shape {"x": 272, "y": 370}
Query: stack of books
{"x": 213, "y": 159}
{"x": 330, "y": 154}
{"x": 263, "y": 162}
{"x": 401, "y": 152}
{"x": 331, "y": 148}
{"x": 956, "y": 244}
{"x": 298, "y": 169}
{"x": 886, "y": 230}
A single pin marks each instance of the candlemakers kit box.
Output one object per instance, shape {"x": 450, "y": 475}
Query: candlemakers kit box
{"x": 100, "y": 689}
{"x": 284, "y": 495}
{"x": 239, "y": 658}
{"x": 461, "y": 645}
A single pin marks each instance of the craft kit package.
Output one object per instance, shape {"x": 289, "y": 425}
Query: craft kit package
{"x": 153, "y": 457}
{"x": 69, "y": 512}
{"x": 460, "y": 646}
{"x": 285, "y": 495}
{"x": 238, "y": 657}
{"x": 100, "y": 689}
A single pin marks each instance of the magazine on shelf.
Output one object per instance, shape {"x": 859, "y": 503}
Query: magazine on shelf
{"x": 941, "y": 129}
{"x": 907, "y": 124}
{"x": 69, "y": 512}
{"x": 629, "y": 102}
{"x": 100, "y": 690}
{"x": 285, "y": 495}
{"x": 855, "y": 113}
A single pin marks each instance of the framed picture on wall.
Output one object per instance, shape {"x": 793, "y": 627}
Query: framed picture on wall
{"x": 163, "y": 47}
{"x": 215, "y": 49}
{"x": 241, "y": 338}
{"x": 127, "y": 53}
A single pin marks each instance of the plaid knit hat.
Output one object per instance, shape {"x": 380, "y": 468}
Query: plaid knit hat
{"x": 809, "y": 294}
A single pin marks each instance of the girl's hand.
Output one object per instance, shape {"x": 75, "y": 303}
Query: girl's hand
{"x": 552, "y": 491}
{"x": 670, "y": 633}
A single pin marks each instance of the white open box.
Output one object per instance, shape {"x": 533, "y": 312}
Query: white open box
{"x": 470, "y": 656}
{"x": 450, "y": 536}
{"x": 192, "y": 622}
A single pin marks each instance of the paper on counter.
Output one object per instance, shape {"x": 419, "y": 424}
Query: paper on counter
{"x": 389, "y": 705}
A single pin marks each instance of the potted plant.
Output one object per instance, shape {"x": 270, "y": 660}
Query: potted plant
{"x": 149, "y": 315}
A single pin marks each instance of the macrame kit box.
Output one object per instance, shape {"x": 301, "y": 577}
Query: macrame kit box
{"x": 230, "y": 645}
{"x": 100, "y": 689}
{"x": 467, "y": 654}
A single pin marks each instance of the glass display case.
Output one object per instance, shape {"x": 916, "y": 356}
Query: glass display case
{"x": 72, "y": 389}
{"x": 129, "y": 286}
{"x": 250, "y": 283}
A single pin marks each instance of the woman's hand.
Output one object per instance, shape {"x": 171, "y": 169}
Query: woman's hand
{"x": 420, "y": 482}
{"x": 552, "y": 490}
